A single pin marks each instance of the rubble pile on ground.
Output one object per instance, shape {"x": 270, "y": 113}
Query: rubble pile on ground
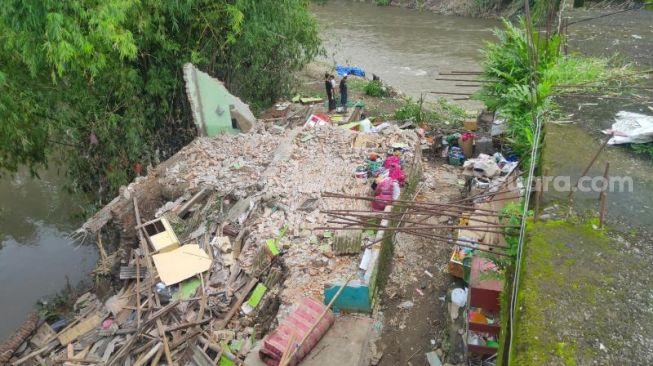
{"x": 212, "y": 268}
{"x": 280, "y": 174}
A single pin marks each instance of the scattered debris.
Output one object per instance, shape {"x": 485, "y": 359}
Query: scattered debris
{"x": 433, "y": 359}
{"x": 227, "y": 254}
{"x": 406, "y": 305}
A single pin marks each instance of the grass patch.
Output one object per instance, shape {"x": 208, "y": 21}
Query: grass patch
{"x": 442, "y": 112}
{"x": 643, "y": 149}
{"x": 561, "y": 277}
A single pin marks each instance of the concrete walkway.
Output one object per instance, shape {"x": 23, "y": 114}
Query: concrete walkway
{"x": 344, "y": 344}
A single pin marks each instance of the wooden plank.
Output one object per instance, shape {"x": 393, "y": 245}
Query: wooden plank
{"x": 188, "y": 205}
{"x": 43, "y": 333}
{"x": 250, "y": 286}
{"x": 157, "y": 358}
{"x": 85, "y": 326}
{"x": 148, "y": 355}
{"x": 131, "y": 272}
{"x": 138, "y": 295}
{"x": 200, "y": 358}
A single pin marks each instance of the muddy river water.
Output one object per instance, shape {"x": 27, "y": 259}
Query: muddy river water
{"x": 407, "y": 48}
{"x": 36, "y": 257}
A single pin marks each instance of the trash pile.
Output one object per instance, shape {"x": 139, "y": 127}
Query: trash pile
{"x": 215, "y": 269}
{"x": 488, "y": 173}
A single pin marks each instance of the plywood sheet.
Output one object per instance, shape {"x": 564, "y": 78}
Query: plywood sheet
{"x": 181, "y": 263}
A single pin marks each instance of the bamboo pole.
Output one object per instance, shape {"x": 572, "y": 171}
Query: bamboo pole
{"x": 413, "y": 229}
{"x": 427, "y": 209}
{"x": 402, "y": 203}
{"x": 462, "y": 245}
{"x": 490, "y": 223}
{"x": 476, "y": 81}
{"x": 538, "y": 196}
{"x": 450, "y": 93}
{"x": 138, "y": 294}
{"x": 150, "y": 271}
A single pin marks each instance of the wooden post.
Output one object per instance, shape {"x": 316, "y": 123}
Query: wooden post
{"x": 150, "y": 272}
{"x": 138, "y": 290}
{"x": 538, "y": 194}
{"x": 603, "y": 196}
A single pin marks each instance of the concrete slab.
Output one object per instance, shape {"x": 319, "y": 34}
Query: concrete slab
{"x": 343, "y": 345}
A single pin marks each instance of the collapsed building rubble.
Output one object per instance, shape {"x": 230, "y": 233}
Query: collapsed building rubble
{"x": 229, "y": 248}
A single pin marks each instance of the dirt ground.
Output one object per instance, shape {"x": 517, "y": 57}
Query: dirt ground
{"x": 310, "y": 83}
{"x": 410, "y": 331}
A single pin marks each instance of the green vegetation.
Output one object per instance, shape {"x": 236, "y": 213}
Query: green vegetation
{"x": 516, "y": 93}
{"x": 557, "y": 279}
{"x": 525, "y": 79}
{"x": 644, "y": 149}
{"x": 440, "y": 112}
{"x": 382, "y": 2}
{"x": 100, "y": 82}
{"x": 374, "y": 88}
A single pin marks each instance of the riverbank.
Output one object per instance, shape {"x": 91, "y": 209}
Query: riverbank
{"x": 584, "y": 298}
{"x": 461, "y": 8}
{"x": 410, "y": 50}
{"x": 585, "y": 291}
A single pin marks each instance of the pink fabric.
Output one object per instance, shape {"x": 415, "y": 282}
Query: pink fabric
{"x": 390, "y": 161}
{"x": 397, "y": 174}
{"x": 380, "y": 201}
{"x": 384, "y": 187}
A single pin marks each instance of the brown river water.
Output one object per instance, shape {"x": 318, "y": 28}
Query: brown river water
{"x": 407, "y": 48}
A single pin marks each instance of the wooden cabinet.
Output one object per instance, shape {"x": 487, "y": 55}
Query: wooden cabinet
{"x": 483, "y": 311}
{"x": 486, "y": 284}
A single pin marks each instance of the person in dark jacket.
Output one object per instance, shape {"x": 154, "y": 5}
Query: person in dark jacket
{"x": 328, "y": 85}
{"x": 343, "y": 92}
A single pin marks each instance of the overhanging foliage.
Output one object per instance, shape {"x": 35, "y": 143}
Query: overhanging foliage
{"x": 100, "y": 83}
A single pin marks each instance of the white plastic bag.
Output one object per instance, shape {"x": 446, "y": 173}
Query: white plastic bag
{"x": 459, "y": 296}
{"x": 631, "y": 128}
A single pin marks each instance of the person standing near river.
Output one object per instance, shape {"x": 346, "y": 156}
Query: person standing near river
{"x": 332, "y": 78}
{"x": 343, "y": 93}
{"x": 328, "y": 85}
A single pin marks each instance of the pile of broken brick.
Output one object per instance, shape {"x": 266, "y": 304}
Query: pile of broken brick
{"x": 229, "y": 249}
